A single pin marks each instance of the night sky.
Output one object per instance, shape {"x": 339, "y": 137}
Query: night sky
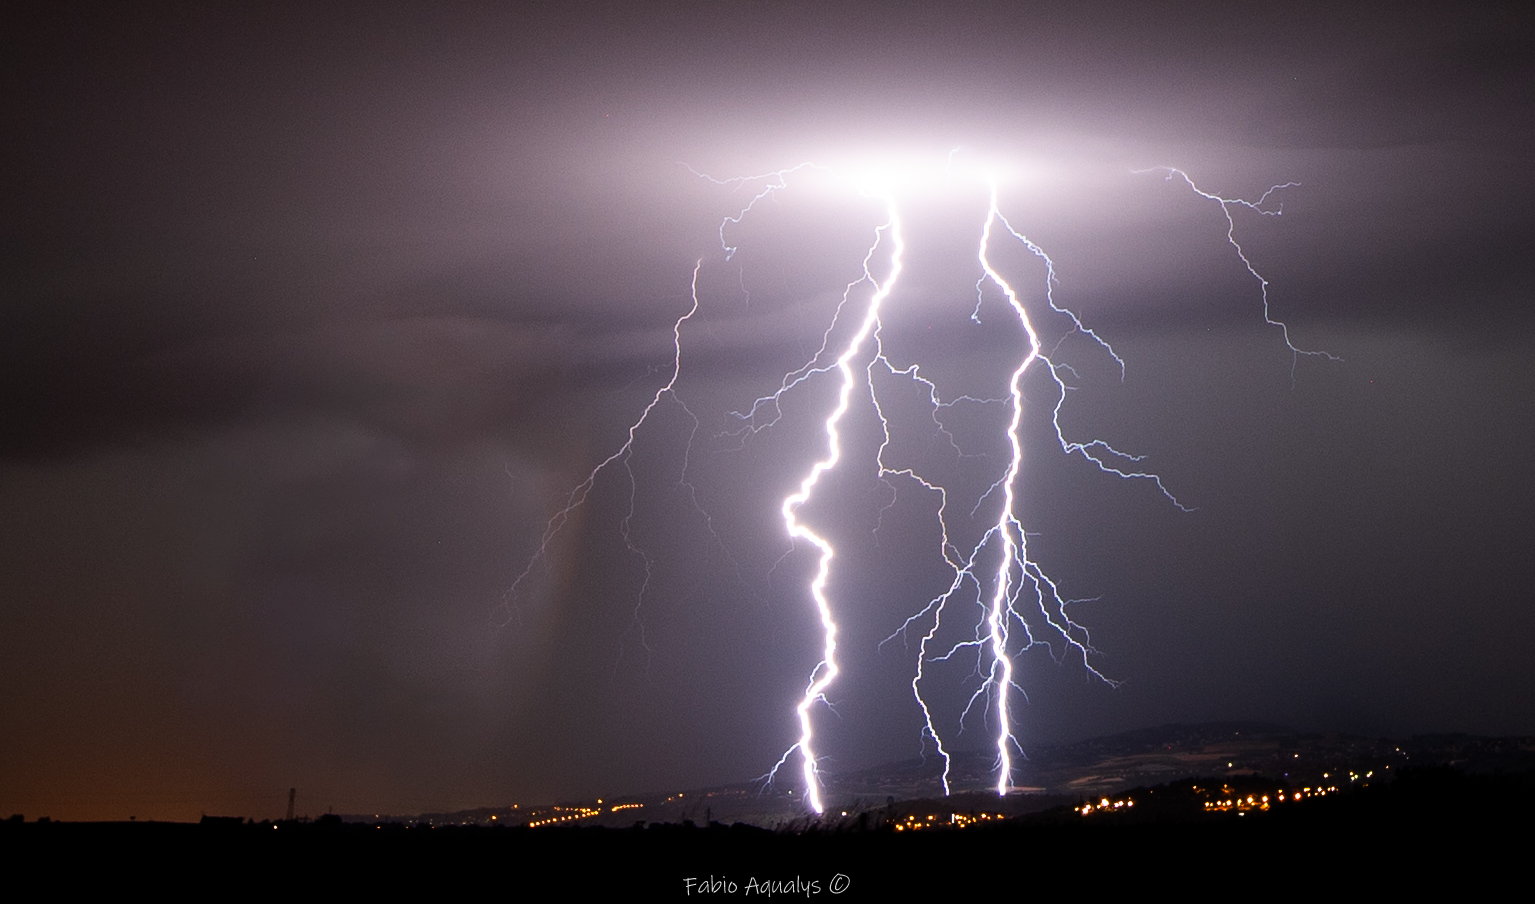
{"x": 312, "y": 317}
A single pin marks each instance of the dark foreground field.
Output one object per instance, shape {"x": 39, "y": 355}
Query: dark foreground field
{"x": 1422, "y": 830}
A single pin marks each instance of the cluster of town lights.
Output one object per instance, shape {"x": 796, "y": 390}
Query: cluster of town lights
{"x": 1257, "y": 802}
{"x": 1104, "y": 804}
{"x": 1224, "y": 804}
{"x": 566, "y": 814}
{"x": 574, "y": 813}
{"x": 915, "y": 823}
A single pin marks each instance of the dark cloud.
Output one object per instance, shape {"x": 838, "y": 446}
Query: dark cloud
{"x": 313, "y": 315}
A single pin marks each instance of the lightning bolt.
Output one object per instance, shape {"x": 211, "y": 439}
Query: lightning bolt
{"x": 1227, "y": 205}
{"x": 825, "y": 671}
{"x": 1021, "y": 593}
{"x": 509, "y": 608}
{"x": 1014, "y": 569}
{"x": 1016, "y": 577}
{"x": 1016, "y": 605}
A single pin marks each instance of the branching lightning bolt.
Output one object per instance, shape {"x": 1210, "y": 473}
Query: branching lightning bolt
{"x": 1013, "y": 570}
{"x": 1227, "y": 205}
{"x": 1016, "y": 575}
{"x": 825, "y": 671}
{"x": 509, "y": 608}
{"x": 1017, "y": 605}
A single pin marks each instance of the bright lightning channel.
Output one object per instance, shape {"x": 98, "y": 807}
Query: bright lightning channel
{"x": 1013, "y": 566}
{"x": 1018, "y": 593}
{"x": 825, "y": 672}
{"x": 1017, "y": 577}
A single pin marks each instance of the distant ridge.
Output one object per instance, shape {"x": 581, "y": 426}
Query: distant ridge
{"x": 1051, "y": 773}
